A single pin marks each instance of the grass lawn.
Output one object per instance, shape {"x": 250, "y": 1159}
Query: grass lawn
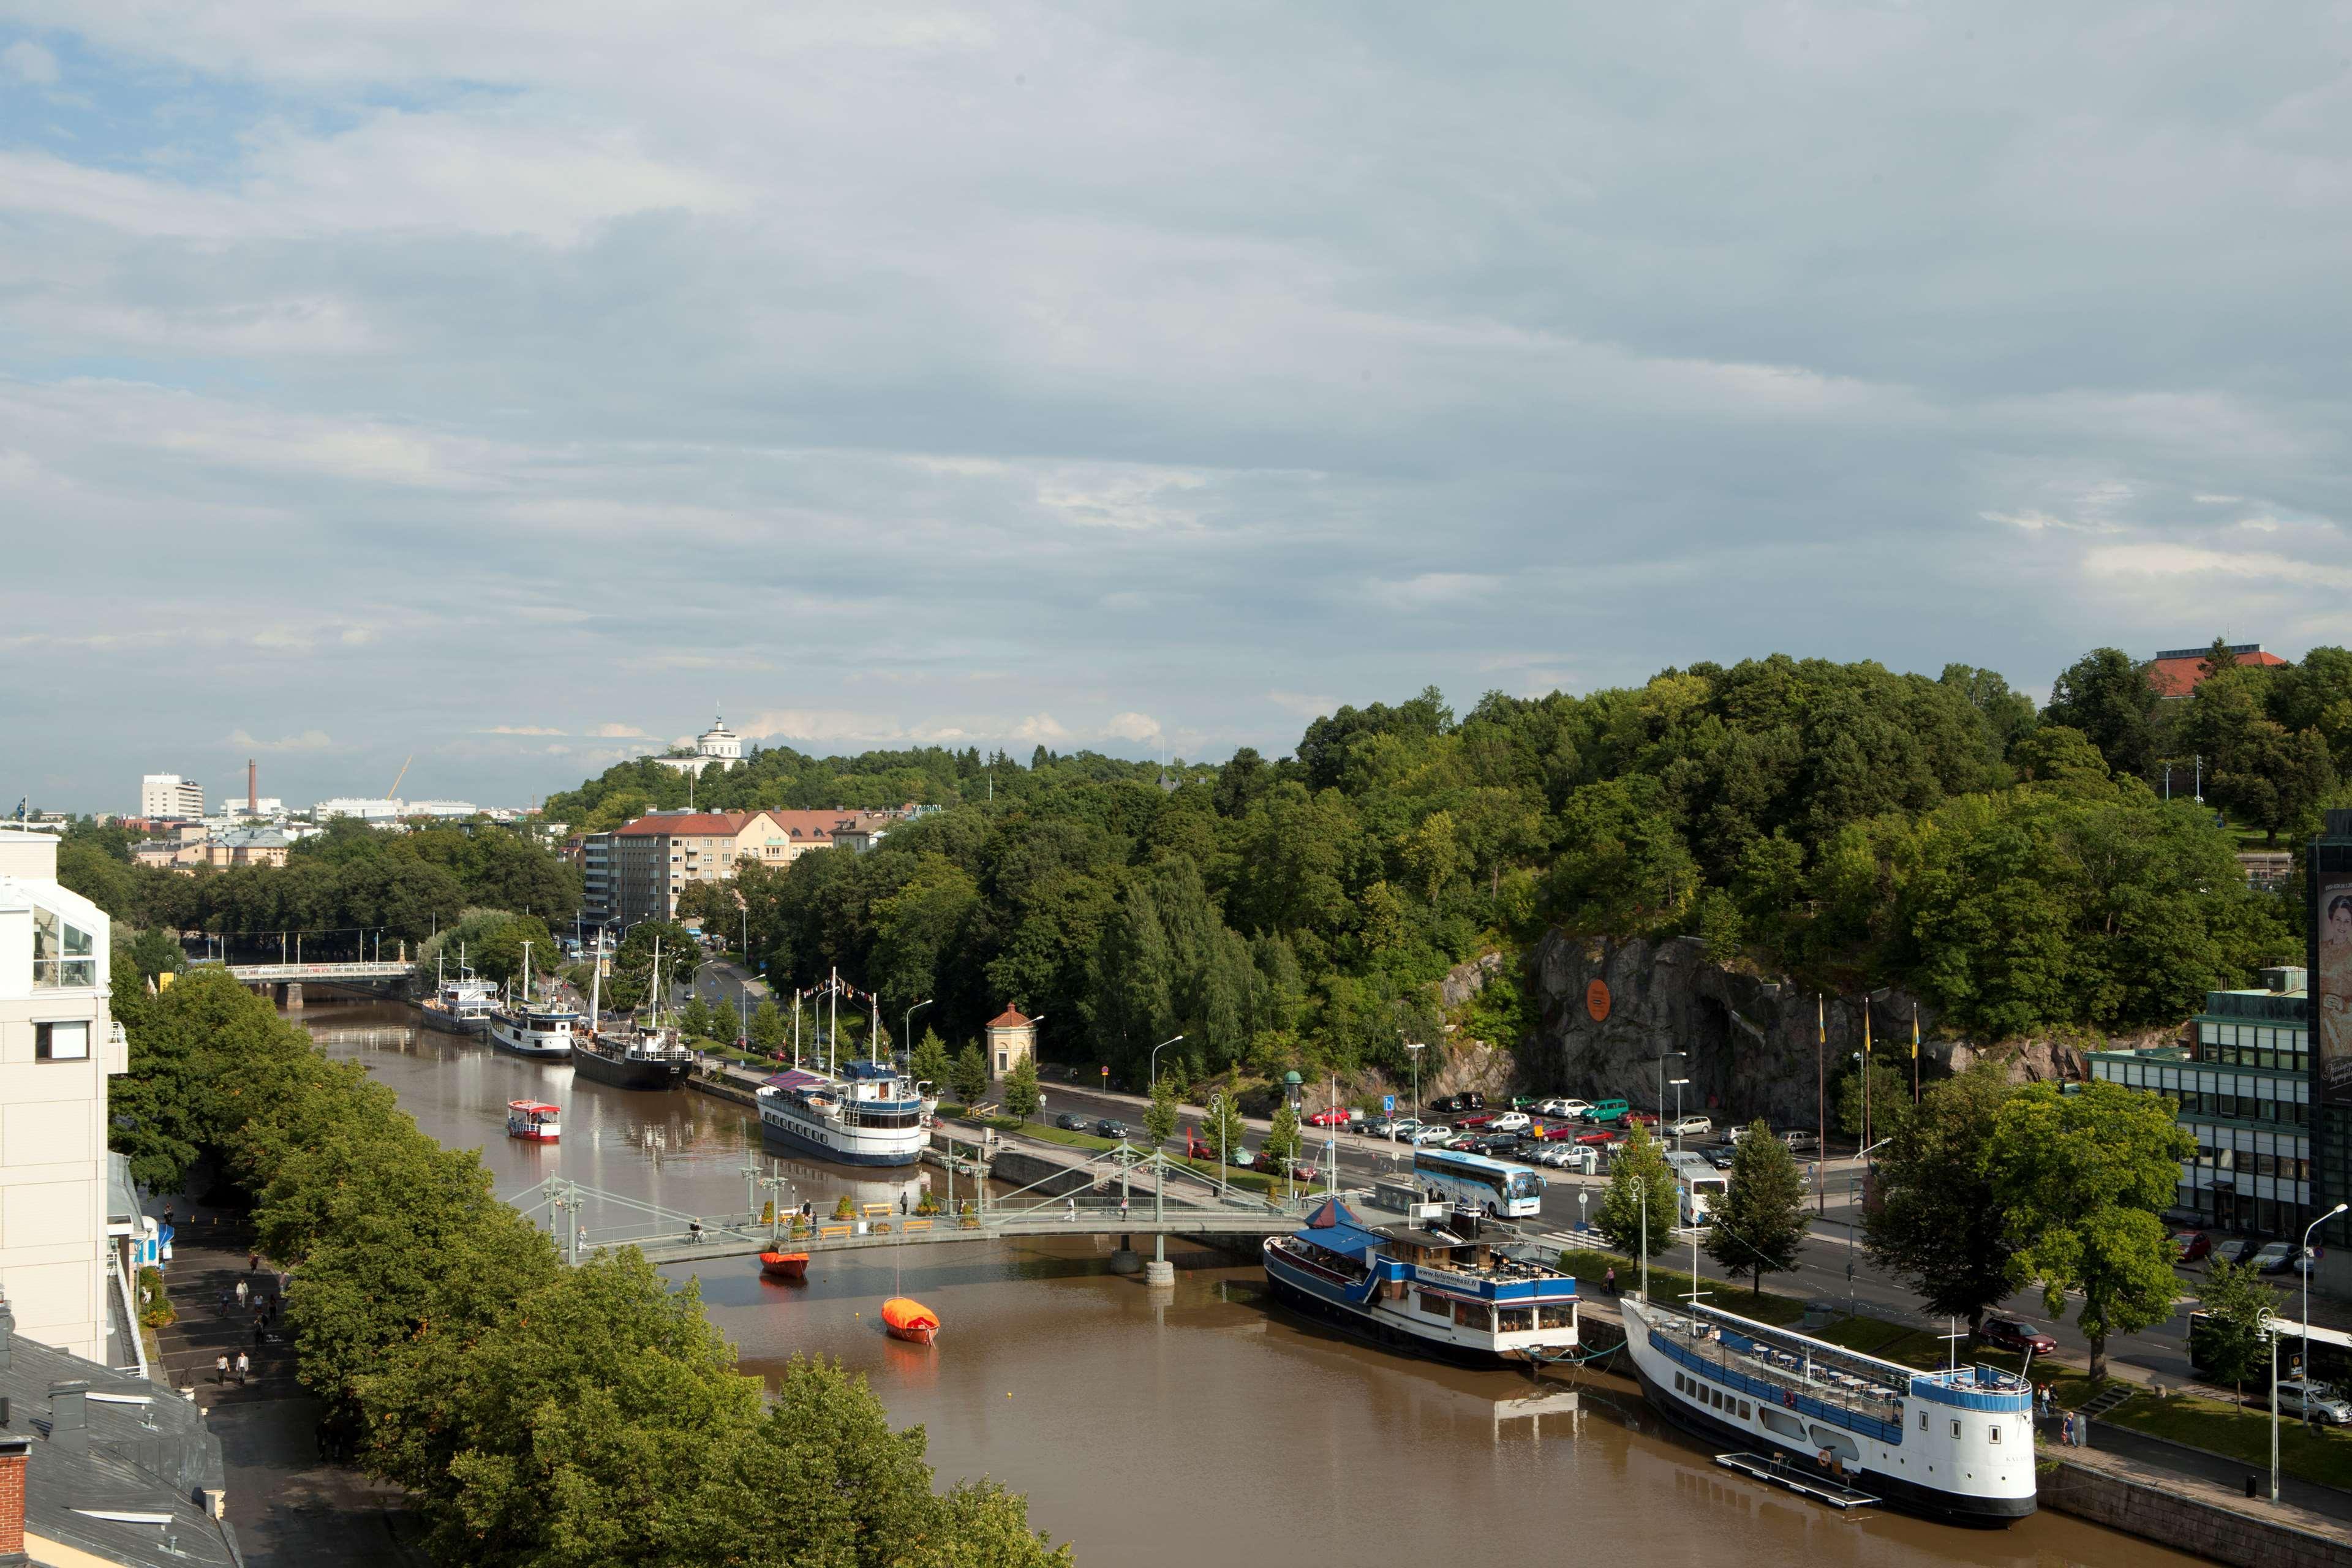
{"x": 1590, "y": 1266}
{"x": 2323, "y": 1455}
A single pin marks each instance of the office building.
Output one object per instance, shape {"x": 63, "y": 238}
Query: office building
{"x": 170, "y": 795}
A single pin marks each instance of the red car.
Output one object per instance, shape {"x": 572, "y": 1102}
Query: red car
{"x": 1559, "y": 1132}
{"x": 1597, "y": 1140}
{"x": 1336, "y": 1116}
{"x": 2191, "y": 1244}
{"x": 2011, "y": 1334}
{"x": 1648, "y": 1118}
{"x": 1480, "y": 1119}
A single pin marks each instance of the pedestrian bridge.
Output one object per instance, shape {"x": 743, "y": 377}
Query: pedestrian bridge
{"x": 1126, "y": 1200}
{"x": 295, "y": 973}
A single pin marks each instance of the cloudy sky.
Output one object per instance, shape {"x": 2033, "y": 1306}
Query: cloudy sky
{"x": 514, "y": 385}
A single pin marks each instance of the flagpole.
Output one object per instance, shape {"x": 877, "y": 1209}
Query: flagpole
{"x": 1822, "y": 1110}
{"x": 1865, "y": 1070}
{"x": 1914, "y": 1053}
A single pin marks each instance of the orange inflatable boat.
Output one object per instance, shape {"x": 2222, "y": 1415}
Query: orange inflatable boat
{"x": 910, "y": 1320}
{"x": 784, "y": 1265}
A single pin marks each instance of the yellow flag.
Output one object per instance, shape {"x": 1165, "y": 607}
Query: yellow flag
{"x": 1914, "y": 1034}
{"x": 1865, "y": 1028}
{"x": 1821, "y": 1019}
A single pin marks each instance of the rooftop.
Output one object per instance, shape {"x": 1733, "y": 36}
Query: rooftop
{"x": 2176, "y": 672}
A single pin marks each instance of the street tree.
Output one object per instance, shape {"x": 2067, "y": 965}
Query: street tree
{"x": 929, "y": 1064}
{"x": 696, "y": 1020}
{"x": 1760, "y": 1225}
{"x": 767, "y": 1028}
{"x": 1937, "y": 1224}
{"x": 1889, "y": 1091}
{"x": 2083, "y": 1177}
{"x": 1639, "y": 1207}
{"x": 1283, "y": 1143}
{"x": 2233, "y": 1342}
{"x": 971, "y": 1074}
{"x": 1160, "y": 1116}
{"x": 1021, "y": 1096}
{"x": 1222, "y": 1128}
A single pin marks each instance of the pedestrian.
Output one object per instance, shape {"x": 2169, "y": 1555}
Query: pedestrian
{"x": 1122, "y": 1206}
{"x": 694, "y": 1232}
{"x": 1610, "y": 1284}
{"x": 221, "y": 1298}
{"x": 2066, "y": 1430}
{"x": 220, "y": 1368}
{"x": 241, "y": 1292}
{"x": 1074, "y": 1208}
{"x": 244, "y": 1367}
{"x": 253, "y": 1263}
{"x": 902, "y": 1202}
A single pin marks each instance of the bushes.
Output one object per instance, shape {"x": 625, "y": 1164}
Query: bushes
{"x": 537, "y": 1414}
{"x": 155, "y": 1309}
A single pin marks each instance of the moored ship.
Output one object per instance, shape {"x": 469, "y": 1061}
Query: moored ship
{"x": 459, "y": 1007}
{"x": 630, "y": 1057}
{"x": 869, "y": 1115}
{"x": 1955, "y": 1445}
{"x": 1440, "y": 1291}
{"x": 542, "y": 1033}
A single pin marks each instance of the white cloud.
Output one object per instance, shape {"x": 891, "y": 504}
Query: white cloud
{"x": 26, "y": 61}
{"x": 1136, "y": 727}
{"x": 307, "y": 741}
{"x": 521, "y": 730}
{"x": 619, "y": 732}
{"x": 1040, "y": 728}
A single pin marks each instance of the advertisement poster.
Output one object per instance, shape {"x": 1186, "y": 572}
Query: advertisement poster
{"x": 2331, "y": 988}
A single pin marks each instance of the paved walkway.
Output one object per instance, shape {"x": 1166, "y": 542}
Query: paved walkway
{"x": 290, "y": 1507}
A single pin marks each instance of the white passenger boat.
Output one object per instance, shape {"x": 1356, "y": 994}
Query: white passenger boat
{"x": 1439, "y": 1290}
{"x": 542, "y": 1033}
{"x": 1955, "y": 1445}
{"x": 869, "y": 1115}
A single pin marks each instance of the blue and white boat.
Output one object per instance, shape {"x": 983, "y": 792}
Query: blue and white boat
{"x": 869, "y": 1115}
{"x": 1955, "y": 1445}
{"x": 1440, "y": 1291}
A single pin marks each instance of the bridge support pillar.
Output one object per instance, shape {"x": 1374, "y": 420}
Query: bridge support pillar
{"x": 1124, "y": 1260}
{"x": 1159, "y": 1271}
{"x": 289, "y": 996}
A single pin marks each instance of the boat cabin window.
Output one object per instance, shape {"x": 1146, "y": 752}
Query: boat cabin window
{"x": 1923, "y": 1421}
{"x": 1956, "y": 1428}
{"x": 1743, "y": 1410}
{"x": 1555, "y": 1317}
{"x": 1516, "y": 1319}
{"x": 1435, "y": 1306}
{"x": 1992, "y": 1431}
{"x": 1470, "y": 1315}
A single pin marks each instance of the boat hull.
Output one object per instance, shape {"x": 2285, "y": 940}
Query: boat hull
{"x": 1363, "y": 1325}
{"x": 534, "y": 1136}
{"x": 909, "y": 1320}
{"x": 449, "y": 1023}
{"x": 531, "y": 1051}
{"x": 1945, "y": 1507}
{"x": 627, "y": 1073}
{"x": 791, "y": 1266}
{"x": 786, "y": 1133}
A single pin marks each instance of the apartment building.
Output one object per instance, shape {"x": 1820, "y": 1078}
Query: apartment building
{"x": 168, "y": 795}
{"x": 58, "y": 1045}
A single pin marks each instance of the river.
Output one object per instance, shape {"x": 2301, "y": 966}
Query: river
{"x": 1138, "y": 1421}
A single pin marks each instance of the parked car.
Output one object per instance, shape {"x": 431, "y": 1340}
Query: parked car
{"x": 1562, "y": 1108}
{"x": 1512, "y": 1121}
{"x": 1558, "y": 1131}
{"x": 1570, "y": 1157}
{"x": 1648, "y": 1118}
{"x": 2235, "y": 1248}
{"x": 1107, "y": 1127}
{"x": 1501, "y": 1145}
{"x": 1691, "y": 1127}
{"x": 1070, "y": 1122}
{"x": 1332, "y": 1116}
{"x": 1463, "y": 1143}
{"x": 2015, "y": 1334}
{"x": 2302, "y": 1397}
{"x": 1476, "y": 1119}
{"x": 1721, "y": 1156}
{"x": 1604, "y": 1113}
{"x": 1800, "y": 1141}
{"x": 1436, "y": 1132}
{"x": 1598, "y": 1139}
{"x": 2276, "y": 1257}
{"x": 2191, "y": 1244}
{"x": 1398, "y": 1128}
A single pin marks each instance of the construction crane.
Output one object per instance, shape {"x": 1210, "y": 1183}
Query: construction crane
{"x": 403, "y": 773}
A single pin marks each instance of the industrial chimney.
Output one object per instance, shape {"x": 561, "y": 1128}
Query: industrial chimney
{"x": 252, "y": 788}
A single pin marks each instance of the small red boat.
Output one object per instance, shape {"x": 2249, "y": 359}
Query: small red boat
{"x": 535, "y": 1120}
{"x": 910, "y": 1320}
{"x": 784, "y": 1265}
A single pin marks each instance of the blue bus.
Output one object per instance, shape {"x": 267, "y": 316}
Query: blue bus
{"x": 1472, "y": 1181}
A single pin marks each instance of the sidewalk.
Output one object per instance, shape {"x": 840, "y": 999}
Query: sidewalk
{"x": 290, "y": 1507}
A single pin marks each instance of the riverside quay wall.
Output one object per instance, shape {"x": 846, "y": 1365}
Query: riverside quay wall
{"x": 2154, "y": 1511}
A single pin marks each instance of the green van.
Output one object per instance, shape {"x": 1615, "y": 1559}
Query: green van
{"x": 1607, "y": 1113}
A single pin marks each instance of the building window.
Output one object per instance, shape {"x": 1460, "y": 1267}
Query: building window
{"x": 62, "y": 953}
{"x": 61, "y": 1042}
{"x": 1000, "y": 1070}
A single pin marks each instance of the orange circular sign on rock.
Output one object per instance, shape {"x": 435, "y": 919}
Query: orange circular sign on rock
{"x": 1596, "y": 1001}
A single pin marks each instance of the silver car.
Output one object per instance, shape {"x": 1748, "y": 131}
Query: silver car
{"x": 2314, "y": 1401}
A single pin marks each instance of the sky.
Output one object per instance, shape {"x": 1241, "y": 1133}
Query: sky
{"x": 513, "y": 387}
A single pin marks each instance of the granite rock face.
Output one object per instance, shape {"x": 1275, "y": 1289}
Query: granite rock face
{"x": 1754, "y": 1044}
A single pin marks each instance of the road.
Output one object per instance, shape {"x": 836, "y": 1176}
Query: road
{"x": 1823, "y": 1268}
{"x": 727, "y": 986}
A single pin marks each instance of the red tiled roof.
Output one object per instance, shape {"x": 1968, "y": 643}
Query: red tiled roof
{"x": 2179, "y": 677}
{"x": 807, "y": 823}
{"x": 686, "y": 825}
{"x": 1011, "y": 1018}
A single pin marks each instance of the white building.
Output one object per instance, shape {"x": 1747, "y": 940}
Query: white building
{"x": 367, "y": 808}
{"x": 58, "y": 1047}
{"x": 455, "y": 810}
{"x": 168, "y": 795}
{"x": 718, "y": 747}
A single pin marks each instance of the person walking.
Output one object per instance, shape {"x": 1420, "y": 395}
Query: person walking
{"x": 2066, "y": 1430}
{"x": 244, "y": 1368}
{"x": 242, "y": 1292}
{"x": 253, "y": 1263}
{"x": 1074, "y": 1208}
{"x": 220, "y": 1368}
{"x": 1610, "y": 1284}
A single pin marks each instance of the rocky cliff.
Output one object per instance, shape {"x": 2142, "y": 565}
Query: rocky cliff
{"x": 1609, "y": 1009}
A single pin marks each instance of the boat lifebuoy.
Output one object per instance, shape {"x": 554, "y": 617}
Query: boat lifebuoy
{"x": 1789, "y": 1397}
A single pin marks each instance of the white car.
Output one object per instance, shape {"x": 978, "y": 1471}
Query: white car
{"x": 1565, "y": 1109}
{"x": 1510, "y": 1122}
{"x": 1689, "y": 1127}
{"x": 1571, "y": 1157}
{"x": 1436, "y": 1134}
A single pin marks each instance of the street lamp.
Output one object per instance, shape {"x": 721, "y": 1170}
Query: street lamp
{"x": 1679, "y": 1083}
{"x": 1660, "y": 1061}
{"x": 1417, "y": 1049}
{"x": 2303, "y": 1267}
{"x": 906, "y": 1030}
{"x": 1159, "y": 1174}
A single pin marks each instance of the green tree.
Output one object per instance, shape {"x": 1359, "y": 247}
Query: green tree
{"x": 1639, "y": 1204}
{"x": 1222, "y": 1128}
{"x": 155, "y": 953}
{"x": 1889, "y": 1092}
{"x": 1937, "y": 1224}
{"x": 971, "y": 1074}
{"x": 768, "y": 1029}
{"x": 2106, "y": 696}
{"x": 1284, "y": 1139}
{"x": 696, "y": 1019}
{"x": 1160, "y": 1116}
{"x": 929, "y": 1063}
{"x": 2274, "y": 781}
{"x": 1760, "y": 1225}
{"x": 1021, "y": 1096}
{"x": 2083, "y": 1178}
{"x": 2234, "y": 1341}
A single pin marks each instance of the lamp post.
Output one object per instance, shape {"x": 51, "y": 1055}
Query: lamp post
{"x": 1159, "y": 1171}
{"x": 1660, "y": 1061}
{"x": 1679, "y": 1083}
{"x": 906, "y": 1030}
{"x": 1417, "y": 1049}
{"x": 2303, "y": 1267}
{"x": 2271, "y": 1324}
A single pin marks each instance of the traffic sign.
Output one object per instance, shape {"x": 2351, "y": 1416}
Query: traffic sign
{"x": 1387, "y": 1105}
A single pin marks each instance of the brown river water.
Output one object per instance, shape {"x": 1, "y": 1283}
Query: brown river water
{"x": 1139, "y": 1420}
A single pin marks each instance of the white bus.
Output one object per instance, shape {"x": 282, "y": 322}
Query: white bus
{"x": 1472, "y": 1181}
{"x": 1700, "y": 1194}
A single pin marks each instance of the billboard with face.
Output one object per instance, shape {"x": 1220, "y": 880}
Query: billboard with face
{"x": 2331, "y": 989}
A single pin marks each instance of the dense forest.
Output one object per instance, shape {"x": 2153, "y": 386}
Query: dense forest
{"x": 1845, "y": 824}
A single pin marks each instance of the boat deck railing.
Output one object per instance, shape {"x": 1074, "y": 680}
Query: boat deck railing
{"x": 1783, "y": 1368}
